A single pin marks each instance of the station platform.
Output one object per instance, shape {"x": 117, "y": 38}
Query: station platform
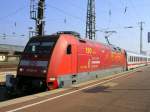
{"x": 4, "y": 74}
{"x": 124, "y": 92}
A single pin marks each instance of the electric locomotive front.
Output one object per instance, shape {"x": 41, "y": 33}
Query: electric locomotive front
{"x": 33, "y": 66}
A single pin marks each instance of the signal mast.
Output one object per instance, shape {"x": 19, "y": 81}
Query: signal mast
{"x": 37, "y": 14}
{"x": 90, "y": 20}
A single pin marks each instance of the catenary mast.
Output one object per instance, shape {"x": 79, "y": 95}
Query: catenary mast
{"x": 37, "y": 14}
{"x": 90, "y": 21}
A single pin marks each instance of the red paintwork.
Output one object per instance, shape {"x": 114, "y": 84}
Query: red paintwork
{"x": 81, "y": 60}
{"x": 87, "y": 56}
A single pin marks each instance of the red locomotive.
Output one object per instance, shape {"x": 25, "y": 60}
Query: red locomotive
{"x": 63, "y": 59}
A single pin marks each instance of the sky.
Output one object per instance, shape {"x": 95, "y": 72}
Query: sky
{"x": 60, "y": 15}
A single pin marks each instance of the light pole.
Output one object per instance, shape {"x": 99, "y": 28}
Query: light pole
{"x": 141, "y": 35}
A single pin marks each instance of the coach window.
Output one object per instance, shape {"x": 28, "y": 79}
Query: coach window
{"x": 133, "y": 59}
{"x": 129, "y": 59}
{"x": 69, "y": 49}
{"x": 140, "y": 58}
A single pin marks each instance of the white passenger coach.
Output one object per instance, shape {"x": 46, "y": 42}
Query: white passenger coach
{"x": 135, "y": 60}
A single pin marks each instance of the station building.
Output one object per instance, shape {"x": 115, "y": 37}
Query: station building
{"x": 10, "y": 53}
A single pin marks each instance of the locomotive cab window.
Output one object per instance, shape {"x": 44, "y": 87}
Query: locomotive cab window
{"x": 69, "y": 47}
{"x": 41, "y": 45}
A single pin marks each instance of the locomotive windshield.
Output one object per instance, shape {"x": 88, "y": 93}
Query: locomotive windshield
{"x": 43, "y": 45}
{"x": 39, "y": 47}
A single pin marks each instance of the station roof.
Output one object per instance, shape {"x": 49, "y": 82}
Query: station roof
{"x": 11, "y": 48}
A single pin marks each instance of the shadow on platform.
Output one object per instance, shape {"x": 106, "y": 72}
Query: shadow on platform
{"x": 97, "y": 89}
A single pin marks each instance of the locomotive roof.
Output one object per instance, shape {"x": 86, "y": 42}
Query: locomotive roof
{"x": 77, "y": 35}
{"x": 59, "y": 33}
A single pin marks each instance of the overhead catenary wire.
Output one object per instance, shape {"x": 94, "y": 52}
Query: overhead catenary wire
{"x": 137, "y": 14}
{"x": 109, "y": 13}
{"x": 11, "y": 35}
{"x": 74, "y": 5}
{"x": 66, "y": 17}
{"x": 10, "y": 15}
{"x": 64, "y": 12}
{"x": 13, "y": 13}
{"x": 126, "y": 9}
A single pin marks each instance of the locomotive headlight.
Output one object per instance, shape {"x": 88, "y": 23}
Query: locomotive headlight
{"x": 52, "y": 79}
{"x": 21, "y": 69}
{"x": 44, "y": 71}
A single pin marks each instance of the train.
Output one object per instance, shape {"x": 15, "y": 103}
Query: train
{"x": 64, "y": 59}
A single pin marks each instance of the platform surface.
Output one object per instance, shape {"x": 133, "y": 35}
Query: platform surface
{"x": 122, "y": 93}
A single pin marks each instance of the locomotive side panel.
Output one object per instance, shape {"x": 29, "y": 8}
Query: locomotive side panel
{"x": 84, "y": 57}
{"x": 63, "y": 63}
